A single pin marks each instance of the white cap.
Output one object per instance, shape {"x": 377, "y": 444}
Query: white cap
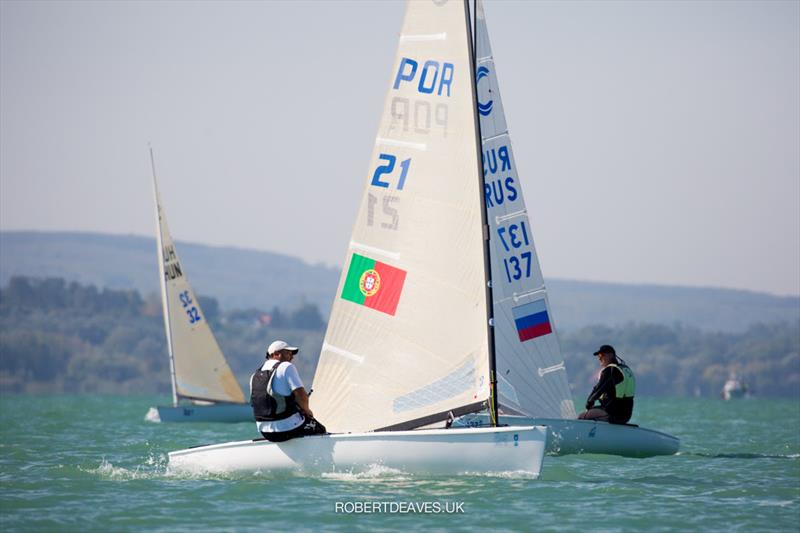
{"x": 277, "y": 346}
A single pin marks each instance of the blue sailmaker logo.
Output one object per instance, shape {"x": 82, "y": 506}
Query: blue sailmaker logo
{"x": 484, "y": 108}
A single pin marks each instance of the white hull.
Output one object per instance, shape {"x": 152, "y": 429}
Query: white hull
{"x": 437, "y": 451}
{"x": 565, "y": 437}
{"x": 218, "y": 412}
{"x": 734, "y": 389}
{"x": 733, "y": 394}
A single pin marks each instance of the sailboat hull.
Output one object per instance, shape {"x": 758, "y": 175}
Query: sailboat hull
{"x": 436, "y": 452}
{"x": 566, "y": 437}
{"x": 218, "y": 412}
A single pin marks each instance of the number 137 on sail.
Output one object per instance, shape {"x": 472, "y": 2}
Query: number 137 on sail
{"x": 516, "y": 235}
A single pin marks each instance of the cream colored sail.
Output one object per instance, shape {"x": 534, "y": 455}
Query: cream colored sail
{"x": 199, "y": 369}
{"x": 532, "y": 378}
{"x": 407, "y": 338}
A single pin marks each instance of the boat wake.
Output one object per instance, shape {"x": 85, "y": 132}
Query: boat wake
{"x": 369, "y": 472}
{"x": 380, "y": 472}
{"x": 153, "y": 467}
{"x": 374, "y": 471}
{"x": 511, "y": 474}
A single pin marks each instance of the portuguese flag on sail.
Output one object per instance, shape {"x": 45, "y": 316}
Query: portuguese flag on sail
{"x": 373, "y": 284}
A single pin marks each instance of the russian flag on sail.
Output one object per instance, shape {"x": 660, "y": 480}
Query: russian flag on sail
{"x": 531, "y": 320}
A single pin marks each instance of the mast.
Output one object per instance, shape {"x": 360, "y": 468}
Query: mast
{"x": 163, "y": 283}
{"x": 472, "y": 31}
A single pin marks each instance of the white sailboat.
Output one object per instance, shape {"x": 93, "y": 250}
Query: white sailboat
{"x": 734, "y": 388}
{"x": 204, "y": 388}
{"x": 533, "y": 385}
{"x": 408, "y": 342}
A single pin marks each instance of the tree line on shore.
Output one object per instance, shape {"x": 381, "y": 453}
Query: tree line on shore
{"x": 58, "y": 336}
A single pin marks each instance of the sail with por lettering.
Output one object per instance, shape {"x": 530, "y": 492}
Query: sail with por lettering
{"x": 531, "y": 375}
{"x": 407, "y": 340}
{"x": 200, "y": 371}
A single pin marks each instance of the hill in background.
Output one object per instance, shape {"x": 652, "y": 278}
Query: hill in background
{"x": 237, "y": 278}
{"x": 67, "y": 337}
{"x": 240, "y": 278}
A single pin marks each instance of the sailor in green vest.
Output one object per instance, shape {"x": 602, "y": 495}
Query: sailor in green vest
{"x": 614, "y": 390}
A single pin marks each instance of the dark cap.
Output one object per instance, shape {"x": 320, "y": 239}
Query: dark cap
{"x": 605, "y": 349}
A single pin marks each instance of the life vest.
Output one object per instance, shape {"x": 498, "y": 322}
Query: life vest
{"x": 267, "y": 404}
{"x": 627, "y": 387}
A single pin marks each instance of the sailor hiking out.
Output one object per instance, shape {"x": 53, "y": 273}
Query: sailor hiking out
{"x": 278, "y": 398}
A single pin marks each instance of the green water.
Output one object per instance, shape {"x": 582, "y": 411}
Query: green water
{"x": 91, "y": 463}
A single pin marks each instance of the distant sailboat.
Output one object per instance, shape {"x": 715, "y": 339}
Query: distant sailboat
{"x": 734, "y": 388}
{"x": 204, "y": 388}
{"x": 531, "y": 374}
{"x": 408, "y": 341}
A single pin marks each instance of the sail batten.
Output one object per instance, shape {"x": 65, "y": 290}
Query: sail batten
{"x": 402, "y": 144}
{"x": 373, "y": 249}
{"x": 426, "y": 37}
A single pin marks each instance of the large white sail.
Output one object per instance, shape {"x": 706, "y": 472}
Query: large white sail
{"x": 531, "y": 375}
{"x": 199, "y": 369}
{"x": 407, "y": 337}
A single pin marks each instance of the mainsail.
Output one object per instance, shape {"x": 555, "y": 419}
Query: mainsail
{"x": 199, "y": 369}
{"x": 407, "y": 339}
{"x": 531, "y": 375}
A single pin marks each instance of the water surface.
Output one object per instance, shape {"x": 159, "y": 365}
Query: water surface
{"x": 92, "y": 463}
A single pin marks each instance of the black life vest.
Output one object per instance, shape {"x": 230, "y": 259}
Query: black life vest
{"x": 267, "y": 404}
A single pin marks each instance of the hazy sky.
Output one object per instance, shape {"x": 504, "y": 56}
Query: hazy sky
{"x": 657, "y": 142}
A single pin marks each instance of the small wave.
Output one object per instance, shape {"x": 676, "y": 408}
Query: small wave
{"x": 668, "y": 479}
{"x": 739, "y": 455}
{"x": 222, "y": 476}
{"x": 153, "y": 466}
{"x": 109, "y": 471}
{"x": 778, "y": 503}
{"x": 508, "y": 474}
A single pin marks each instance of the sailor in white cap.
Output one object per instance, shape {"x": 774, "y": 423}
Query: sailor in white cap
{"x": 279, "y": 400}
